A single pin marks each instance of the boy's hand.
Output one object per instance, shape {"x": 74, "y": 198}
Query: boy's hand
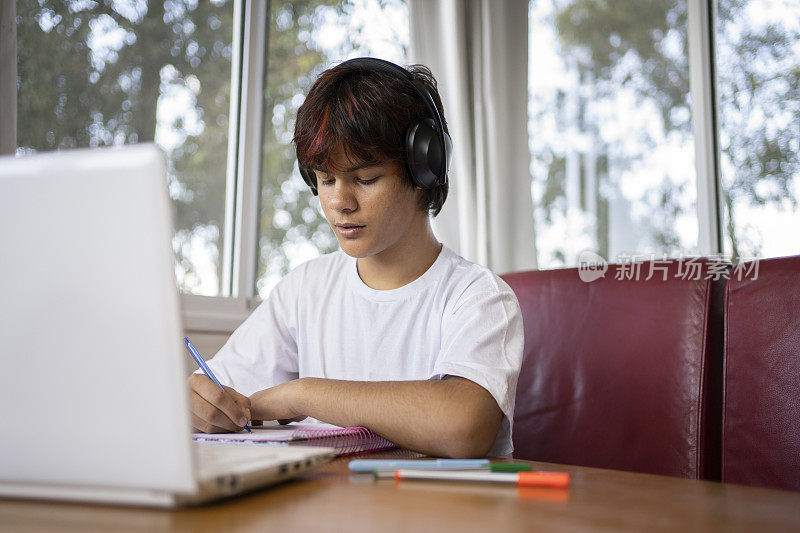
{"x": 215, "y": 411}
{"x": 277, "y": 403}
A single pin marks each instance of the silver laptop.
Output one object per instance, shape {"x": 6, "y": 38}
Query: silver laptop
{"x": 93, "y": 374}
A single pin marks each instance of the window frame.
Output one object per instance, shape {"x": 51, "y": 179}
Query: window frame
{"x": 223, "y": 314}
{"x": 701, "y": 16}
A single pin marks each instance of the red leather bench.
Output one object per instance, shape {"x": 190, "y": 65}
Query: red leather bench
{"x": 621, "y": 373}
{"x": 698, "y": 378}
{"x": 761, "y": 417}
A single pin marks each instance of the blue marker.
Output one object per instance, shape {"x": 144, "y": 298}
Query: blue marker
{"x": 207, "y": 371}
{"x": 370, "y": 465}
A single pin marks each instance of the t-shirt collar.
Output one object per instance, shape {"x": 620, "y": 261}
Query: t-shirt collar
{"x": 399, "y": 293}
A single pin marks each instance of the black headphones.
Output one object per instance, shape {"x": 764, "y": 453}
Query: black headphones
{"x": 428, "y": 146}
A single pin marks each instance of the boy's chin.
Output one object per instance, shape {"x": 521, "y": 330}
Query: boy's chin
{"x": 355, "y": 249}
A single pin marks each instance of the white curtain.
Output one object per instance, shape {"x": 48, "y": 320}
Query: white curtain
{"x": 478, "y": 52}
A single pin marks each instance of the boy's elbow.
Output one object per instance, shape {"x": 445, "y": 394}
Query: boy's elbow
{"x": 472, "y": 421}
{"x": 462, "y": 449}
{"x": 473, "y": 436}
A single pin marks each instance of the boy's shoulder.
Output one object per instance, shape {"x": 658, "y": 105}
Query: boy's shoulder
{"x": 466, "y": 278}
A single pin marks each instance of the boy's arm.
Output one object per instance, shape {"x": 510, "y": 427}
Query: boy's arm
{"x": 452, "y": 417}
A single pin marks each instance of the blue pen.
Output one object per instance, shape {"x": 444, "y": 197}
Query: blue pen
{"x": 371, "y": 465}
{"x": 204, "y": 367}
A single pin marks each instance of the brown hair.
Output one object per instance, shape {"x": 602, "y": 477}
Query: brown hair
{"x": 366, "y": 114}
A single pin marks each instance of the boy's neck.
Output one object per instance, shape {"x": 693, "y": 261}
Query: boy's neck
{"x": 403, "y": 263}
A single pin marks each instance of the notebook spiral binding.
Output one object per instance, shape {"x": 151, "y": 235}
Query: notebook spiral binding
{"x": 346, "y": 441}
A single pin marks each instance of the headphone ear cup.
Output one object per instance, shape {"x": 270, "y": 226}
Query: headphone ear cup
{"x": 310, "y": 178}
{"x": 425, "y": 154}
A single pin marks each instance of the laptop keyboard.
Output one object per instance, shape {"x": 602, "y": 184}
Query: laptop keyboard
{"x": 213, "y": 460}
{"x": 217, "y": 459}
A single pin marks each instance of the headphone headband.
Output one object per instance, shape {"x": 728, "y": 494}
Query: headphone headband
{"x": 373, "y": 63}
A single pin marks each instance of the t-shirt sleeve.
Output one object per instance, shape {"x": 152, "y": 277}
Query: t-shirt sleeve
{"x": 262, "y": 352}
{"x": 482, "y": 341}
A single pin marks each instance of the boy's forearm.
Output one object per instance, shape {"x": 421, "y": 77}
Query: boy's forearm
{"x": 453, "y": 417}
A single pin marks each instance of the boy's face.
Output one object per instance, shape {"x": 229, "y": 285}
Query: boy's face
{"x": 371, "y": 209}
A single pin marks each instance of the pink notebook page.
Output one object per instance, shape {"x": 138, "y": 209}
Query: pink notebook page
{"x": 346, "y": 441}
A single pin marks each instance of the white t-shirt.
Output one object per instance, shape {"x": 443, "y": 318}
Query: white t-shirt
{"x": 322, "y": 321}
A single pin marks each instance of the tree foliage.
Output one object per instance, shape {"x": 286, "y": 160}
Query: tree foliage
{"x": 758, "y": 83}
{"x": 287, "y": 214}
{"x": 96, "y": 73}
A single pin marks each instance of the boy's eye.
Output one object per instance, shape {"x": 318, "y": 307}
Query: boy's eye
{"x": 329, "y": 181}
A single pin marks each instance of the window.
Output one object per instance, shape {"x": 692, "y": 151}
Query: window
{"x": 615, "y": 168}
{"x": 618, "y": 160}
{"x": 305, "y": 38}
{"x": 216, "y": 84}
{"x": 758, "y": 80}
{"x": 610, "y": 129}
{"x": 95, "y": 74}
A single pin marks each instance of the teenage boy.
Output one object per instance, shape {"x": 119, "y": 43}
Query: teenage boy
{"x": 395, "y": 332}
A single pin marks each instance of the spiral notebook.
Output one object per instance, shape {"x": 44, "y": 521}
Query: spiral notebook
{"x": 346, "y": 441}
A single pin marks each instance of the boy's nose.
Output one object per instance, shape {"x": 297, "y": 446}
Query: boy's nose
{"x": 342, "y": 198}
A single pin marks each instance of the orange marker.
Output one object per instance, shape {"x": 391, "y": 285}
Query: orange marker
{"x": 555, "y": 480}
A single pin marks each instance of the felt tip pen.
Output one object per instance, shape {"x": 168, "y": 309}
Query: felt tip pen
{"x": 371, "y": 465}
{"x": 554, "y": 480}
{"x": 206, "y": 370}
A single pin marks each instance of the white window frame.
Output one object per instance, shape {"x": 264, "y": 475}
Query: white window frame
{"x": 223, "y": 314}
{"x": 702, "y": 20}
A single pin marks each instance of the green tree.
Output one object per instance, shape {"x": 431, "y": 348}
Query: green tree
{"x": 293, "y": 64}
{"x": 758, "y": 75}
{"x": 74, "y": 92}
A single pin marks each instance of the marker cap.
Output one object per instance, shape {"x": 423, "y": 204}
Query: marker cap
{"x": 555, "y": 480}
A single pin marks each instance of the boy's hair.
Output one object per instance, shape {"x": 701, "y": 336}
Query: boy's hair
{"x": 366, "y": 114}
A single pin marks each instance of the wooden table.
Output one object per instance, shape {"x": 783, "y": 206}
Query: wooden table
{"x": 331, "y": 499}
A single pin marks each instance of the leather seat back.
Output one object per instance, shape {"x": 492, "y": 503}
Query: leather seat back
{"x": 619, "y": 373}
{"x": 761, "y": 424}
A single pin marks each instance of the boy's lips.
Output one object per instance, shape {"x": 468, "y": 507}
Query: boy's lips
{"x": 348, "y": 230}
{"x": 348, "y": 225}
